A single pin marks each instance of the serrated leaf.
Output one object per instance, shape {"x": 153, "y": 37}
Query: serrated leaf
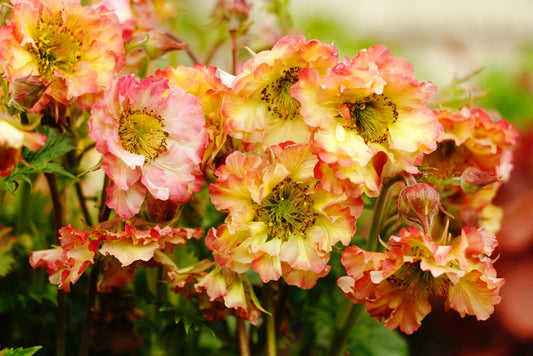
{"x": 6, "y": 262}
{"x": 40, "y": 161}
{"x": 20, "y": 351}
{"x": 55, "y": 146}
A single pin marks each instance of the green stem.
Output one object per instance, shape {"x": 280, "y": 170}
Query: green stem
{"x": 72, "y": 158}
{"x": 353, "y": 315}
{"x": 244, "y": 345}
{"x": 379, "y": 212}
{"x": 270, "y": 321}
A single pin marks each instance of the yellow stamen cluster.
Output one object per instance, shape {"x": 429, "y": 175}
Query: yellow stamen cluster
{"x": 287, "y": 210}
{"x": 370, "y": 117}
{"x": 411, "y": 277}
{"x": 141, "y": 132}
{"x": 55, "y": 47}
{"x": 278, "y": 97}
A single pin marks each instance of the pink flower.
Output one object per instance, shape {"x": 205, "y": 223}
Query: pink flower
{"x": 133, "y": 244}
{"x": 396, "y": 284}
{"x": 259, "y": 107}
{"x": 473, "y": 139}
{"x": 280, "y": 221}
{"x": 203, "y": 82}
{"x": 152, "y": 138}
{"x": 472, "y": 159}
{"x": 73, "y": 50}
{"x": 365, "y": 106}
{"x": 67, "y": 263}
{"x": 221, "y": 291}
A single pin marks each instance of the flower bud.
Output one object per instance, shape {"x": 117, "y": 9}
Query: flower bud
{"x": 157, "y": 43}
{"x": 419, "y": 204}
{"x": 26, "y": 92}
{"x": 473, "y": 179}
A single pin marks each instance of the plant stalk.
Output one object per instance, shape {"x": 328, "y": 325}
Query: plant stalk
{"x": 244, "y": 345}
{"x": 270, "y": 321}
{"x": 61, "y": 298}
{"x": 353, "y": 314}
{"x": 103, "y": 215}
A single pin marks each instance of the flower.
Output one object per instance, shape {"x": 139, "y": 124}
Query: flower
{"x": 221, "y": 291}
{"x": 152, "y": 137}
{"x": 365, "y": 106}
{"x": 472, "y": 140}
{"x": 132, "y": 244}
{"x": 67, "y": 263}
{"x": 280, "y": 221}
{"x": 73, "y": 50}
{"x": 202, "y": 82}
{"x": 396, "y": 285}
{"x": 472, "y": 159}
{"x": 259, "y": 107}
{"x": 14, "y": 136}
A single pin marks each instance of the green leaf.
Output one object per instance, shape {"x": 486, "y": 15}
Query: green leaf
{"x": 40, "y": 161}
{"x": 56, "y": 145}
{"x": 371, "y": 338}
{"x": 20, "y": 351}
{"x": 6, "y": 262}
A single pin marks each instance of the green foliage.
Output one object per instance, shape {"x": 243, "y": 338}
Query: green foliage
{"x": 20, "y": 351}
{"x": 41, "y": 161}
{"x": 371, "y": 338}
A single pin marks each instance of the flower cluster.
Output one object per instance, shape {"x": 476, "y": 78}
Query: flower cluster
{"x": 275, "y": 164}
{"x": 126, "y": 244}
{"x": 152, "y": 137}
{"x": 69, "y": 50}
{"x": 396, "y": 285}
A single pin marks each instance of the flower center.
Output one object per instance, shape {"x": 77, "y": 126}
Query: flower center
{"x": 55, "y": 47}
{"x": 286, "y": 211}
{"x": 278, "y": 97}
{"x": 142, "y": 133}
{"x": 370, "y": 117}
{"x": 411, "y": 277}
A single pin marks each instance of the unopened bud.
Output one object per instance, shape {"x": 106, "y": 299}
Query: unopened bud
{"x": 473, "y": 179}
{"x": 159, "y": 43}
{"x": 419, "y": 204}
{"x": 26, "y": 92}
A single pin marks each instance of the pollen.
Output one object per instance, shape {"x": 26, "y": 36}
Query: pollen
{"x": 411, "y": 277}
{"x": 141, "y": 132}
{"x": 287, "y": 210}
{"x": 370, "y": 117}
{"x": 55, "y": 47}
{"x": 278, "y": 98}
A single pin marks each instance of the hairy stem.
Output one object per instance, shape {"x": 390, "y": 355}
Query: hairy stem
{"x": 382, "y": 203}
